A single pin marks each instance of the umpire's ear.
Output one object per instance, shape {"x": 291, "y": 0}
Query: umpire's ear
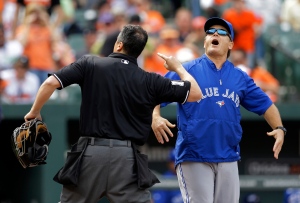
{"x": 119, "y": 46}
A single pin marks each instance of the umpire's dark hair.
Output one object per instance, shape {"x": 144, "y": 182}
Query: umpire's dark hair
{"x": 134, "y": 39}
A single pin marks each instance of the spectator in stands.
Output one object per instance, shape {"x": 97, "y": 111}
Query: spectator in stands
{"x": 100, "y": 38}
{"x": 195, "y": 39}
{"x": 246, "y": 26}
{"x": 290, "y": 13}
{"x": 269, "y": 10}
{"x": 85, "y": 4}
{"x": 176, "y": 4}
{"x": 264, "y": 79}
{"x": 120, "y": 19}
{"x": 105, "y": 17}
{"x": 9, "y": 50}
{"x": 208, "y": 8}
{"x": 62, "y": 51}
{"x": 152, "y": 20}
{"x": 8, "y": 16}
{"x": 99, "y": 41}
{"x": 127, "y": 6}
{"x": 221, "y": 5}
{"x": 52, "y": 7}
{"x": 70, "y": 24}
{"x": 168, "y": 44}
{"x": 270, "y": 15}
{"x": 195, "y": 7}
{"x": 22, "y": 85}
{"x": 90, "y": 35}
{"x": 108, "y": 46}
{"x": 36, "y": 36}
{"x": 183, "y": 22}
{"x": 168, "y": 196}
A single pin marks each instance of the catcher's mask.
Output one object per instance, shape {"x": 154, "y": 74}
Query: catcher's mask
{"x": 30, "y": 143}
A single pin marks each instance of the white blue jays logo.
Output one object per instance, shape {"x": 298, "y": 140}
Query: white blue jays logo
{"x": 220, "y": 103}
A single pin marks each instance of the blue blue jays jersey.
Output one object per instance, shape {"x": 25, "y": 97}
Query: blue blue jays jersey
{"x": 209, "y": 130}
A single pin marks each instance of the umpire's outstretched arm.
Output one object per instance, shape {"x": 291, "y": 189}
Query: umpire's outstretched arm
{"x": 173, "y": 64}
{"x": 43, "y": 95}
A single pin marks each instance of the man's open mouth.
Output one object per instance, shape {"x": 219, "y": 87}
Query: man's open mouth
{"x": 215, "y": 42}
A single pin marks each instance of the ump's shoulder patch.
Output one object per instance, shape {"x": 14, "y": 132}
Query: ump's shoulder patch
{"x": 179, "y": 83}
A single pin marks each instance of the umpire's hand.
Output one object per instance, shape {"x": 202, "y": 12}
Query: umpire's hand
{"x": 31, "y": 115}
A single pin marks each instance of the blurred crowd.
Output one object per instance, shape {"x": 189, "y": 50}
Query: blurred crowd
{"x": 41, "y": 36}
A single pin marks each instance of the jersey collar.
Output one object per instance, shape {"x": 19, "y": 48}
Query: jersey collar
{"x": 212, "y": 65}
{"x": 124, "y": 56}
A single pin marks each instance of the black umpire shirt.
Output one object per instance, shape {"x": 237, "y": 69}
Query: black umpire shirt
{"x": 118, "y": 97}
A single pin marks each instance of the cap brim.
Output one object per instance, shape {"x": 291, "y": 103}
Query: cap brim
{"x": 216, "y": 21}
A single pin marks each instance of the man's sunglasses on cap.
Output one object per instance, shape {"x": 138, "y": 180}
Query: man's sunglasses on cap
{"x": 219, "y": 31}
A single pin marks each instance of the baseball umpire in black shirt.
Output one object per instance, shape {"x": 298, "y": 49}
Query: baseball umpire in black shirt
{"x": 118, "y": 99}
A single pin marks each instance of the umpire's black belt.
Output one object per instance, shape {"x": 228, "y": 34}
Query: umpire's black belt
{"x": 107, "y": 142}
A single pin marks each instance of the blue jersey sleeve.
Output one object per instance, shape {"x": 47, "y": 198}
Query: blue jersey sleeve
{"x": 255, "y": 100}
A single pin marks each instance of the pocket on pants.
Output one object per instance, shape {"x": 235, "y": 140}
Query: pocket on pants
{"x": 146, "y": 178}
{"x": 69, "y": 173}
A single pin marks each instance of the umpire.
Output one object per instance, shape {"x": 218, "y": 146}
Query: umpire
{"x": 118, "y": 99}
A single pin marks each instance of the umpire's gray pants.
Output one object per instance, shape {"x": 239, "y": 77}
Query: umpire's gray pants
{"x": 209, "y": 182}
{"x": 106, "y": 171}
